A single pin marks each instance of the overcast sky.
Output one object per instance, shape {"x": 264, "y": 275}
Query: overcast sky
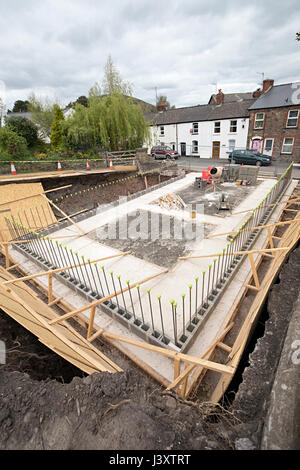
{"x": 183, "y": 47}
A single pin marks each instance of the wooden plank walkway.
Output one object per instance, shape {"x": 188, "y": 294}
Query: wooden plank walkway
{"x": 22, "y": 177}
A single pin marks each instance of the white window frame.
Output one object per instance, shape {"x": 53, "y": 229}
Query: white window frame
{"x": 230, "y": 148}
{"x": 291, "y": 145}
{"x": 217, "y": 127}
{"x": 256, "y": 120}
{"x": 195, "y": 126}
{"x": 233, "y": 126}
{"x": 161, "y": 131}
{"x": 195, "y": 146}
{"x": 292, "y": 118}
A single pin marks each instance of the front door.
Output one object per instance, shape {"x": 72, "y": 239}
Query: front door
{"x": 183, "y": 149}
{"x": 268, "y": 146}
{"x": 256, "y": 145}
{"x": 216, "y": 149}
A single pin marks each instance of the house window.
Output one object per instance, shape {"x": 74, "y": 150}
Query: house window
{"x": 287, "y": 145}
{"x": 259, "y": 120}
{"x": 195, "y": 127}
{"x": 292, "y": 119}
{"x": 233, "y": 126}
{"x": 195, "y": 146}
{"x": 217, "y": 127}
{"x": 162, "y": 130}
{"x": 231, "y": 145}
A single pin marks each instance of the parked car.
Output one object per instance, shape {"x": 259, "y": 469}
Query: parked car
{"x": 249, "y": 157}
{"x": 163, "y": 152}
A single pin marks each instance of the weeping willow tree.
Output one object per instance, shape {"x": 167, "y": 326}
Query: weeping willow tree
{"x": 112, "y": 122}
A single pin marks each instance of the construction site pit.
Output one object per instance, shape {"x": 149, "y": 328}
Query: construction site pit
{"x": 137, "y": 314}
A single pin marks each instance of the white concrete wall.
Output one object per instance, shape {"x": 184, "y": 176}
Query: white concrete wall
{"x": 169, "y": 137}
{"x": 205, "y": 136}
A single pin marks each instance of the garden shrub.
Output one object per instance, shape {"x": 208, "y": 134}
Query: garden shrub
{"x": 13, "y": 145}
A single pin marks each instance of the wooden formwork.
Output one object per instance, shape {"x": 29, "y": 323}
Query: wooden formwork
{"x": 24, "y": 306}
{"x": 27, "y": 205}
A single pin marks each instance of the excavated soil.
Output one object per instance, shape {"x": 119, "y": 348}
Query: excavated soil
{"x": 100, "y": 195}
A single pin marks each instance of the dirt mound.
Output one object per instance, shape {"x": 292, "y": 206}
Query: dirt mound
{"x": 102, "y": 411}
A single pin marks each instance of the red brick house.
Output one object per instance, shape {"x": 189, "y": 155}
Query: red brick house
{"x": 274, "y": 126}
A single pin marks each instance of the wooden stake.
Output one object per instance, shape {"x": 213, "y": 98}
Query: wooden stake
{"x": 91, "y": 322}
{"x": 50, "y": 296}
{"x": 235, "y": 253}
{"x": 64, "y": 214}
{"x": 6, "y": 256}
{"x": 254, "y": 272}
{"x": 270, "y": 237}
{"x": 17, "y": 242}
{"x": 13, "y": 266}
{"x": 191, "y": 367}
{"x": 259, "y": 227}
{"x": 169, "y": 353}
{"x": 66, "y": 268}
{"x": 55, "y": 301}
{"x": 100, "y": 301}
{"x": 224, "y": 347}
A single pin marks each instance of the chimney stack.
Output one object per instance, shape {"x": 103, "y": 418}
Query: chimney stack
{"x": 162, "y": 107}
{"x": 267, "y": 83}
{"x": 220, "y": 97}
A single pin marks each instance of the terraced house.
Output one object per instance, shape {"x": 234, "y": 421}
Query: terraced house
{"x": 205, "y": 131}
{"x": 274, "y": 121}
{"x": 266, "y": 120}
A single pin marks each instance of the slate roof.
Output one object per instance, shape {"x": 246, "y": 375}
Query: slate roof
{"x": 229, "y": 97}
{"x": 278, "y": 96}
{"x": 204, "y": 112}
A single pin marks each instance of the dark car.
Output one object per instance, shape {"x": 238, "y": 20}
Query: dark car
{"x": 163, "y": 152}
{"x": 249, "y": 157}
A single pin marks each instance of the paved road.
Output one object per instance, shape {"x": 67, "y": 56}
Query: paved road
{"x": 192, "y": 163}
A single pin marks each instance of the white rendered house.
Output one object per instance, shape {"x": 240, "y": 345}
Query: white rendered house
{"x": 204, "y": 131}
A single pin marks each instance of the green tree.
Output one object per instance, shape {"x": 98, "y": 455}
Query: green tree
{"x": 112, "y": 81}
{"x": 113, "y": 122}
{"x": 24, "y": 128}
{"x": 297, "y": 36}
{"x": 20, "y": 106}
{"x": 12, "y": 144}
{"x": 42, "y": 114}
{"x": 56, "y": 137}
{"x": 83, "y": 100}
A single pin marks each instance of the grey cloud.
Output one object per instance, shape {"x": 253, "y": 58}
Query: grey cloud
{"x": 181, "y": 47}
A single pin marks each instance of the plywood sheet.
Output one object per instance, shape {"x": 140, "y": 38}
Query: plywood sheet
{"x": 34, "y": 315}
{"x": 25, "y": 203}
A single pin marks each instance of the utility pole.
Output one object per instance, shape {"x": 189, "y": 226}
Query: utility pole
{"x": 156, "y": 99}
